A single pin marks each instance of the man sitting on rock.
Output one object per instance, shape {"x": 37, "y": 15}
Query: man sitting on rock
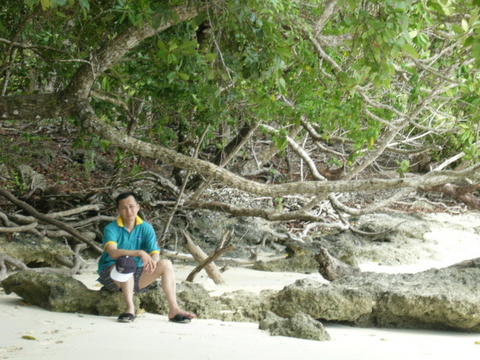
{"x": 131, "y": 260}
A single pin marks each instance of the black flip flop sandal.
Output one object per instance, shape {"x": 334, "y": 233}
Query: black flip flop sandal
{"x": 126, "y": 317}
{"x": 181, "y": 319}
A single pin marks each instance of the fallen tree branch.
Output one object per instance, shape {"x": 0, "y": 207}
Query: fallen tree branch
{"x": 211, "y": 269}
{"x": 77, "y": 259}
{"x": 77, "y": 235}
{"x": 20, "y": 265}
{"x": 271, "y": 215}
{"x": 465, "y": 194}
{"x": 60, "y": 214}
{"x": 10, "y": 260}
{"x": 21, "y": 228}
{"x": 331, "y": 268}
{"x": 224, "y": 260}
{"x": 223, "y": 247}
{"x": 121, "y": 139}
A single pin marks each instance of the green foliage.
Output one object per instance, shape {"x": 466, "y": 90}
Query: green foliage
{"x": 252, "y": 60}
{"x": 403, "y": 167}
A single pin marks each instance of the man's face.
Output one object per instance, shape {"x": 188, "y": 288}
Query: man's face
{"x": 128, "y": 209}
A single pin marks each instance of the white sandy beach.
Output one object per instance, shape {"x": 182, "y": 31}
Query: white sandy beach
{"x": 78, "y": 336}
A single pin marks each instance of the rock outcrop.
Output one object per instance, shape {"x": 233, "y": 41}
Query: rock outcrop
{"x": 299, "y": 325}
{"x": 62, "y": 293}
{"x": 445, "y": 298}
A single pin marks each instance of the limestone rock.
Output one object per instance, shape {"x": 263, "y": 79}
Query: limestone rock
{"x": 243, "y": 305}
{"x": 435, "y": 299}
{"x": 195, "y": 298}
{"x": 33, "y": 179}
{"x": 34, "y": 251}
{"x": 299, "y": 325}
{"x": 297, "y": 263}
{"x": 322, "y": 301}
{"x": 62, "y": 293}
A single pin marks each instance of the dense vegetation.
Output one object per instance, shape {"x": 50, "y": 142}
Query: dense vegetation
{"x": 271, "y": 97}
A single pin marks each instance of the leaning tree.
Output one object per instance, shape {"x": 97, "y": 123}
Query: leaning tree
{"x": 365, "y": 95}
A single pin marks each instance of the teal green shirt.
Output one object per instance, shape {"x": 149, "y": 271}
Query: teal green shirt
{"x": 142, "y": 237}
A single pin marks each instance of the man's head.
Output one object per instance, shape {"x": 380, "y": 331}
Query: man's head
{"x": 127, "y": 206}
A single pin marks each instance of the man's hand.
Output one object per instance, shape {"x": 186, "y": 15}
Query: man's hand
{"x": 149, "y": 263}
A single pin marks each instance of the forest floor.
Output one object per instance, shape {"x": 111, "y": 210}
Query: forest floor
{"x": 29, "y": 332}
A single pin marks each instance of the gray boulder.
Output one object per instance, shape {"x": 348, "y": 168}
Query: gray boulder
{"x": 63, "y": 293}
{"x": 56, "y": 292}
{"x": 445, "y": 298}
{"x": 34, "y": 251}
{"x": 299, "y": 325}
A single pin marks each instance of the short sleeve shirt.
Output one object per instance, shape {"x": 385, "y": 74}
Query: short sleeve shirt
{"x": 142, "y": 237}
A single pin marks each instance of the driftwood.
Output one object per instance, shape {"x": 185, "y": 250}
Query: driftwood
{"x": 465, "y": 193}
{"x": 223, "y": 247}
{"x": 201, "y": 257}
{"x": 331, "y": 268}
{"x": 48, "y": 219}
{"x": 10, "y": 260}
{"x": 20, "y": 228}
{"x": 224, "y": 260}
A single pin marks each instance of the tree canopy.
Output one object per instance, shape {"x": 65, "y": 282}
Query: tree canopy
{"x": 355, "y": 89}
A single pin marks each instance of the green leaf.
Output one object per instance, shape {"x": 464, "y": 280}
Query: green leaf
{"x": 410, "y": 49}
{"x": 184, "y": 76}
{"x": 85, "y": 4}
{"x": 29, "y": 337}
{"x": 59, "y": 2}
{"x": 464, "y": 25}
{"x": 413, "y": 34}
{"x": 476, "y": 51}
{"x": 469, "y": 41}
{"x": 210, "y": 57}
{"x": 171, "y": 76}
{"x": 46, "y": 4}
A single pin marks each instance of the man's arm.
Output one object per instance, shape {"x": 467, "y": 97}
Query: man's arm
{"x": 149, "y": 261}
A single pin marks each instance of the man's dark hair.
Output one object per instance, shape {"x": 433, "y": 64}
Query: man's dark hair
{"x": 125, "y": 195}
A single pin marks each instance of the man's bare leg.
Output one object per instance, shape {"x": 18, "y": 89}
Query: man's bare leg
{"x": 164, "y": 270}
{"x": 127, "y": 291}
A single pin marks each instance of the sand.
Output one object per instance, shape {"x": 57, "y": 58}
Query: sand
{"x": 53, "y": 335}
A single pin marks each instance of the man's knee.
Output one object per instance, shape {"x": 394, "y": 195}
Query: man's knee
{"x": 164, "y": 265}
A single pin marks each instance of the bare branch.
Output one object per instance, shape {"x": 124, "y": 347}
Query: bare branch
{"x": 224, "y": 247}
{"x": 330, "y": 8}
{"x": 324, "y": 55}
{"x": 300, "y": 152}
{"x": 50, "y": 220}
{"x": 14, "y": 229}
{"x": 114, "y": 51}
{"x": 271, "y": 215}
{"x": 448, "y": 161}
{"x": 334, "y": 40}
{"x": 228, "y": 178}
{"x": 210, "y": 268}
